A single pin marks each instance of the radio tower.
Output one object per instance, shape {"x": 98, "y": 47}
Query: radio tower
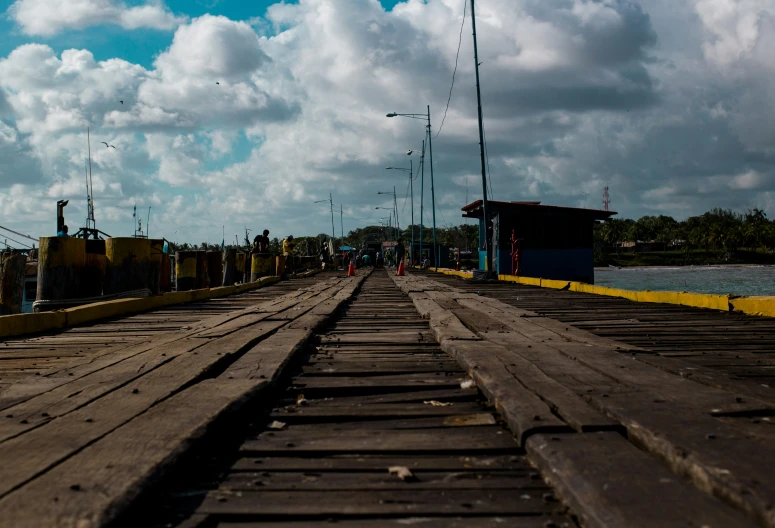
{"x": 606, "y": 199}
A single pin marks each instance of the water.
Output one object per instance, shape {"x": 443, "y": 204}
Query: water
{"x": 737, "y": 280}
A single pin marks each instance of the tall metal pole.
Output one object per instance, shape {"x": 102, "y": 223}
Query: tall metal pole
{"x": 341, "y": 221}
{"x": 91, "y": 184}
{"x": 395, "y": 208}
{"x": 148, "y": 224}
{"x": 433, "y": 195}
{"x": 333, "y": 230}
{"x": 422, "y": 190}
{"x": 485, "y": 205}
{"x": 411, "y": 197}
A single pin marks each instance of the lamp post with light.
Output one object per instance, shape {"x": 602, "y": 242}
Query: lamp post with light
{"x": 426, "y": 116}
{"x": 410, "y": 170}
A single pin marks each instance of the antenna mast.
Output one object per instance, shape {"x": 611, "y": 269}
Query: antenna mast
{"x": 606, "y": 199}
{"x": 90, "y": 222}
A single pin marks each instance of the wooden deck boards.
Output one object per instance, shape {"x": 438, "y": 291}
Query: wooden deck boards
{"x": 201, "y": 418}
{"x": 77, "y": 452}
{"x": 677, "y": 418}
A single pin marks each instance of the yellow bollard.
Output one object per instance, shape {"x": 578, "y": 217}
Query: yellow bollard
{"x": 128, "y": 263}
{"x": 185, "y": 270}
{"x": 61, "y": 262}
{"x": 261, "y": 266}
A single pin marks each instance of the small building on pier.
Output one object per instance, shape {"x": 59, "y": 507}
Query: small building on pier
{"x": 554, "y": 242}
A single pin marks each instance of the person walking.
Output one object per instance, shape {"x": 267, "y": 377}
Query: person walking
{"x": 323, "y": 254}
{"x": 288, "y": 246}
{"x": 400, "y": 252}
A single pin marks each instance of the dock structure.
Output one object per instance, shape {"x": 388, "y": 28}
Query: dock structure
{"x": 384, "y": 401}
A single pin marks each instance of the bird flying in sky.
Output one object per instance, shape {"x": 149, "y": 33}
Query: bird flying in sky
{"x": 122, "y": 102}
{"x": 104, "y": 143}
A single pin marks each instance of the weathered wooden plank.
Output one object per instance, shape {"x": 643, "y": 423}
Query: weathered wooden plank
{"x": 40, "y": 448}
{"x": 94, "y": 486}
{"x": 380, "y": 463}
{"x": 522, "y": 410}
{"x": 515, "y": 521}
{"x": 717, "y": 457}
{"x": 418, "y": 503}
{"x": 610, "y": 483}
{"x": 474, "y": 440}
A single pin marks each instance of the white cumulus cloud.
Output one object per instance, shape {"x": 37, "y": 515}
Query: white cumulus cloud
{"x": 49, "y": 17}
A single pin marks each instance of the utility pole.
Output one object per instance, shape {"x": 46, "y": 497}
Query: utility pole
{"x": 485, "y": 205}
{"x": 422, "y": 190}
{"x": 341, "y": 221}
{"x": 148, "y": 224}
{"x": 433, "y": 194}
{"x": 333, "y": 230}
{"x": 411, "y": 197}
{"x": 395, "y": 208}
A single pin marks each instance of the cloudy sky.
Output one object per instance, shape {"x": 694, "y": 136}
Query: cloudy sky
{"x": 670, "y": 103}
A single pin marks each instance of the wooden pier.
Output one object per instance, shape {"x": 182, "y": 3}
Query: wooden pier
{"x": 382, "y": 401}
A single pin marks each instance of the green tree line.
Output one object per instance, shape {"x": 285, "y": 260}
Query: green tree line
{"x": 717, "y": 229}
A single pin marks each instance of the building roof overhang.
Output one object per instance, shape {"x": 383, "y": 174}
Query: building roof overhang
{"x": 474, "y": 210}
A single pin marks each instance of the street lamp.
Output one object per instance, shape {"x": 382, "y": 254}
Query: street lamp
{"x": 390, "y": 218}
{"x": 333, "y": 230}
{"x": 426, "y": 116}
{"x": 395, "y": 207}
{"x": 410, "y": 170}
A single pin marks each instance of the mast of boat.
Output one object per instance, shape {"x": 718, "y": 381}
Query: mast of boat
{"x": 485, "y": 204}
{"x": 90, "y": 222}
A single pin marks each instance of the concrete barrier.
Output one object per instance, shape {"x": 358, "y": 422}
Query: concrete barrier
{"x": 34, "y": 323}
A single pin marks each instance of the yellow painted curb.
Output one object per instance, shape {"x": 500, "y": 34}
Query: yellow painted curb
{"x": 761, "y": 306}
{"x": 33, "y": 323}
{"x": 11, "y": 325}
{"x": 764, "y": 306}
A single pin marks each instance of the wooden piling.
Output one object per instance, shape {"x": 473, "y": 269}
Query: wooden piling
{"x": 12, "y": 284}
{"x": 93, "y": 278}
{"x": 215, "y": 268}
{"x": 128, "y": 264}
{"x": 61, "y": 262}
{"x": 261, "y": 266}
{"x": 155, "y": 265}
{"x": 185, "y": 270}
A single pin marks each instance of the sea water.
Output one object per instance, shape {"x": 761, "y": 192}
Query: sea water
{"x": 737, "y": 280}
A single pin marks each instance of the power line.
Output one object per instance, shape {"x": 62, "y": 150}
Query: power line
{"x": 457, "y": 56}
{"x": 17, "y": 233}
{"x": 20, "y": 243}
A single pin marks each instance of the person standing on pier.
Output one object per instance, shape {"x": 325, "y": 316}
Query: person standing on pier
{"x": 63, "y": 232}
{"x": 288, "y": 245}
{"x": 261, "y": 242}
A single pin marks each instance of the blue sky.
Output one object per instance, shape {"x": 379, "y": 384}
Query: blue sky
{"x": 138, "y": 46}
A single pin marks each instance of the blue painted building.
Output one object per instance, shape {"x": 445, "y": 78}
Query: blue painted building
{"x": 557, "y": 242}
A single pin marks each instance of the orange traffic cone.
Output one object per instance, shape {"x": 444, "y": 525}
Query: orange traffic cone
{"x": 400, "y": 272}
{"x": 351, "y": 270}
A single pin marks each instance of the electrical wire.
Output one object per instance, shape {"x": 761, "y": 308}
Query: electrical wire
{"x": 17, "y": 233}
{"x": 457, "y": 56}
{"x": 12, "y": 240}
